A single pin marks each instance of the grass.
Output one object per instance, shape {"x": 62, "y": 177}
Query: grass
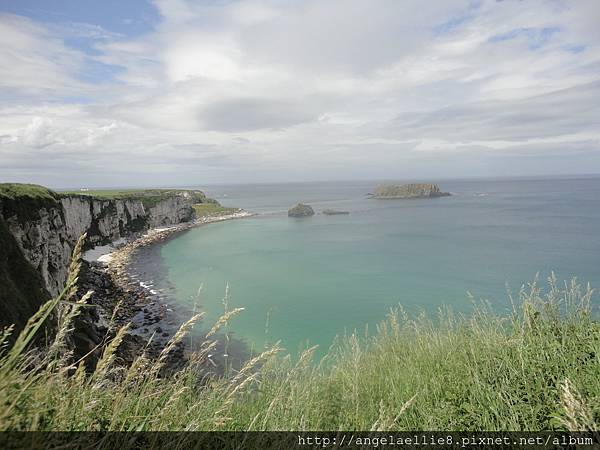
{"x": 149, "y": 197}
{"x": 14, "y": 191}
{"x": 537, "y": 369}
{"x": 212, "y": 210}
{"x": 124, "y": 193}
{"x": 110, "y": 193}
{"x": 27, "y": 199}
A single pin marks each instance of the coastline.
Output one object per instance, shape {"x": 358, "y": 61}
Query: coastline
{"x": 116, "y": 261}
{"x": 153, "y": 320}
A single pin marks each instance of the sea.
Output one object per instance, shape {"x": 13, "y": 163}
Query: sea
{"x": 304, "y": 281}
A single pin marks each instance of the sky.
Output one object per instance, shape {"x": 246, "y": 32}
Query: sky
{"x": 191, "y": 92}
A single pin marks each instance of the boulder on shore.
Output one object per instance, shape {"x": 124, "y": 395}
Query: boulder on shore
{"x": 413, "y": 190}
{"x": 301, "y": 210}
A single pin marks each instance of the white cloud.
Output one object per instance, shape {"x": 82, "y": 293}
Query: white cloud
{"x": 38, "y": 133}
{"x": 32, "y": 60}
{"x": 265, "y": 88}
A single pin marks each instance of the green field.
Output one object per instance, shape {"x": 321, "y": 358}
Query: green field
{"x": 212, "y": 210}
{"x": 123, "y": 193}
{"x": 18, "y": 190}
{"x": 14, "y": 191}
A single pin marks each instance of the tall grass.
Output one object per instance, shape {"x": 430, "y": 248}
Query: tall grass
{"x": 538, "y": 368}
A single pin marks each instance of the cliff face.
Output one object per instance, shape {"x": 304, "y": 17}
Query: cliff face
{"x": 414, "y": 190}
{"x": 22, "y": 289}
{"x": 47, "y": 229}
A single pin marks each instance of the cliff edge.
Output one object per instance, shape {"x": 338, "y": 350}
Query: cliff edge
{"x": 39, "y": 229}
{"x": 22, "y": 289}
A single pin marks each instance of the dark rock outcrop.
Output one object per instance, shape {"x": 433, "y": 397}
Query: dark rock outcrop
{"x": 22, "y": 289}
{"x": 301, "y": 210}
{"x": 413, "y": 190}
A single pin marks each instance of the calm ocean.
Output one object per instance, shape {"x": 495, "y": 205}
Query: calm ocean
{"x": 306, "y": 280}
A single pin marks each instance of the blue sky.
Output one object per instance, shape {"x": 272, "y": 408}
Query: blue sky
{"x": 82, "y": 24}
{"x": 175, "y": 92}
{"x": 129, "y": 18}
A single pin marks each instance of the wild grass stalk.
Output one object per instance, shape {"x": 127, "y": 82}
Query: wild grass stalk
{"x": 538, "y": 368}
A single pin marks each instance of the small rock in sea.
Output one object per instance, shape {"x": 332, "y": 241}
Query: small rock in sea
{"x": 165, "y": 335}
{"x": 158, "y": 329}
{"x": 301, "y": 210}
{"x": 333, "y": 212}
{"x": 413, "y": 190}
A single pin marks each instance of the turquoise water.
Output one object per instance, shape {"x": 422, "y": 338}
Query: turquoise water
{"x": 306, "y": 280}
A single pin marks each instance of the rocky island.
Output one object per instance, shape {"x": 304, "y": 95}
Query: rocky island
{"x": 413, "y": 190}
{"x": 301, "y": 210}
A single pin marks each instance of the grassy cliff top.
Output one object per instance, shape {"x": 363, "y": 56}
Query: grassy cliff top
{"x": 26, "y": 199}
{"x": 149, "y": 197}
{"x": 13, "y": 191}
{"x": 111, "y": 194}
{"x": 16, "y": 190}
{"x": 212, "y": 210}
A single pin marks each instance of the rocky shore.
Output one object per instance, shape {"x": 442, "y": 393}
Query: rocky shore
{"x": 122, "y": 295}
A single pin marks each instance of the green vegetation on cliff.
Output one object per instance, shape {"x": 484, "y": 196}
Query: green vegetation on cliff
{"x": 19, "y": 191}
{"x": 212, "y": 210}
{"x": 537, "y": 368}
{"x": 14, "y": 191}
{"x": 25, "y": 200}
{"x": 148, "y": 197}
